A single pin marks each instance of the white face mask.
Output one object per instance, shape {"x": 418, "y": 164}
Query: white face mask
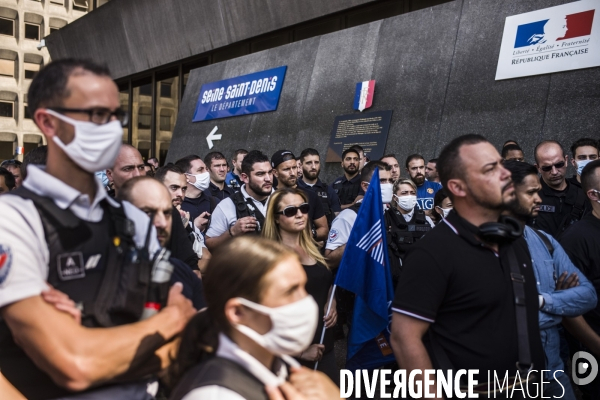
{"x": 581, "y": 165}
{"x": 387, "y": 190}
{"x": 94, "y": 147}
{"x": 293, "y": 326}
{"x": 407, "y": 203}
{"x": 445, "y": 211}
{"x": 202, "y": 181}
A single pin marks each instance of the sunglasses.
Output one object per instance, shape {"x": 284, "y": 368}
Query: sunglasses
{"x": 290, "y": 211}
{"x": 548, "y": 168}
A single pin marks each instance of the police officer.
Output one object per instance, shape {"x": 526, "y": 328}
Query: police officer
{"x": 233, "y": 179}
{"x": 405, "y": 224}
{"x": 311, "y": 167}
{"x": 61, "y": 227}
{"x": 244, "y": 212}
{"x": 347, "y": 187}
{"x": 563, "y": 203}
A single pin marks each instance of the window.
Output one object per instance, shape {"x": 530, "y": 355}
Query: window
{"x": 81, "y": 5}
{"x": 165, "y": 122}
{"x": 26, "y": 112}
{"x": 53, "y": 29}
{"x": 61, "y": 2}
{"x": 144, "y": 118}
{"x": 7, "y": 27}
{"x": 31, "y": 69}
{"x": 7, "y": 109}
{"x": 165, "y": 89}
{"x": 7, "y": 67}
{"x": 146, "y": 90}
{"x": 32, "y": 31}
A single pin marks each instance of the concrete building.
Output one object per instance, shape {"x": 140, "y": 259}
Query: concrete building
{"x": 23, "y": 24}
{"x": 434, "y": 62}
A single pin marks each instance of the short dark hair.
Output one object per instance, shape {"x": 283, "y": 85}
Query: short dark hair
{"x": 545, "y": 142}
{"x": 510, "y": 141}
{"x": 49, "y": 86}
{"x": 350, "y": 150}
{"x": 185, "y": 163}
{"x": 37, "y": 156}
{"x": 309, "y": 152}
{"x": 392, "y": 155}
{"x": 414, "y": 157}
{"x": 367, "y": 171}
{"x": 359, "y": 148}
{"x": 440, "y": 195}
{"x": 589, "y": 178}
{"x": 584, "y": 142}
{"x": 153, "y": 159}
{"x": 162, "y": 171}
{"x": 253, "y": 157}
{"x": 9, "y": 178}
{"x": 449, "y": 164}
{"x": 213, "y": 155}
{"x": 238, "y": 152}
{"x": 510, "y": 147}
{"x": 433, "y": 160}
{"x": 519, "y": 170}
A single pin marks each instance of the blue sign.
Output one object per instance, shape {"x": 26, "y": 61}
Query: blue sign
{"x": 247, "y": 94}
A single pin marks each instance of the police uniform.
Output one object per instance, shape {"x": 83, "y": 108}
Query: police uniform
{"x": 346, "y": 190}
{"x": 28, "y": 260}
{"x": 403, "y": 230}
{"x": 219, "y": 194}
{"x": 232, "y": 374}
{"x": 560, "y": 209}
{"x": 225, "y": 214}
{"x": 329, "y": 199}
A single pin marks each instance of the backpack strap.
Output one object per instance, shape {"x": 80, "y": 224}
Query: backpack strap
{"x": 546, "y": 241}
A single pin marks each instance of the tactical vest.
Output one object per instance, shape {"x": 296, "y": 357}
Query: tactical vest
{"x": 347, "y": 193}
{"x": 105, "y": 275}
{"x": 245, "y": 207}
{"x": 221, "y": 372}
{"x": 401, "y": 235}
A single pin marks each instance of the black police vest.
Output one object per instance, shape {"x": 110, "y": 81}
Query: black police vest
{"x": 401, "y": 235}
{"x": 347, "y": 193}
{"x": 97, "y": 265}
{"x": 324, "y": 197}
{"x": 246, "y": 208}
{"x": 221, "y": 372}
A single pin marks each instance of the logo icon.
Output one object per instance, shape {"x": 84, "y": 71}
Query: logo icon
{"x": 584, "y": 368}
{"x": 430, "y": 190}
{"x": 333, "y": 234}
{"x": 5, "y": 262}
{"x": 364, "y": 95}
{"x": 554, "y": 29}
{"x": 372, "y": 243}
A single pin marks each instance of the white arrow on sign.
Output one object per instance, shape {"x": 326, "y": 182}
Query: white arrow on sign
{"x": 211, "y": 136}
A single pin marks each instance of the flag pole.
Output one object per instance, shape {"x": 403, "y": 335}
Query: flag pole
{"x": 326, "y": 314}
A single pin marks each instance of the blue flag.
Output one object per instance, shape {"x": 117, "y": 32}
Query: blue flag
{"x": 365, "y": 271}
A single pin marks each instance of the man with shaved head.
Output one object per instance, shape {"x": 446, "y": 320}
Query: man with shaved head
{"x": 153, "y": 198}
{"x": 581, "y": 241}
{"x": 129, "y": 164}
{"x": 562, "y": 202}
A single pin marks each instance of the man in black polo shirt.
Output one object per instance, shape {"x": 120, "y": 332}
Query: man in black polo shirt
{"x": 285, "y": 169}
{"x": 562, "y": 202}
{"x": 216, "y": 164}
{"x": 347, "y": 187}
{"x": 457, "y": 284}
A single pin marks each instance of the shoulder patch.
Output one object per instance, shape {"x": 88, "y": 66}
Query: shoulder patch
{"x": 333, "y": 234}
{"x": 5, "y": 262}
{"x": 430, "y": 190}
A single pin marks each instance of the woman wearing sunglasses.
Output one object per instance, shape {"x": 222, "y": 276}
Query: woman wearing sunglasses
{"x": 287, "y": 223}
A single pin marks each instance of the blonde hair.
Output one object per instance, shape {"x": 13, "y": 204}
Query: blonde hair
{"x": 271, "y": 228}
{"x": 404, "y": 181}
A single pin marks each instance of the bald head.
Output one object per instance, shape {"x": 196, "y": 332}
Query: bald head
{"x": 152, "y": 197}
{"x": 551, "y": 162}
{"x": 548, "y": 147}
{"x": 128, "y": 164}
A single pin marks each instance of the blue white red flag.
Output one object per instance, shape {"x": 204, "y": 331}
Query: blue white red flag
{"x": 363, "y": 98}
{"x": 365, "y": 271}
{"x": 19, "y": 150}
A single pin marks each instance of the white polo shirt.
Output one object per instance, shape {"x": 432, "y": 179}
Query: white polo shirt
{"x": 340, "y": 229}
{"x": 231, "y": 351}
{"x": 24, "y": 255}
{"x": 224, "y": 215}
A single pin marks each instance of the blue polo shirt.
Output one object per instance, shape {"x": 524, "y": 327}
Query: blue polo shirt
{"x": 425, "y": 194}
{"x": 233, "y": 181}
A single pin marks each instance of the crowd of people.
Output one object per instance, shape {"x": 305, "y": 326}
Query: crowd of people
{"x": 212, "y": 277}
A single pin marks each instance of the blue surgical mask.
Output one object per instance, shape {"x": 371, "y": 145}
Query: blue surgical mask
{"x": 581, "y": 165}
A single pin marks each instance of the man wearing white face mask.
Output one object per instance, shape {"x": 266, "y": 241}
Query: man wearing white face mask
{"x": 61, "y": 227}
{"x": 198, "y": 200}
{"x": 405, "y": 223}
{"x": 584, "y": 151}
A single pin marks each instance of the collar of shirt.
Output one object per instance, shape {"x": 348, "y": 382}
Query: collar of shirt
{"x": 344, "y": 179}
{"x": 247, "y": 196}
{"x": 463, "y": 228}
{"x": 65, "y": 196}
{"x": 231, "y": 351}
{"x": 408, "y": 217}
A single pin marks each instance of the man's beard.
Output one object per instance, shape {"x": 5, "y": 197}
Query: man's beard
{"x": 419, "y": 179}
{"x": 349, "y": 171}
{"x": 258, "y": 189}
{"x": 520, "y": 212}
{"x": 311, "y": 175}
{"x": 499, "y": 206}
